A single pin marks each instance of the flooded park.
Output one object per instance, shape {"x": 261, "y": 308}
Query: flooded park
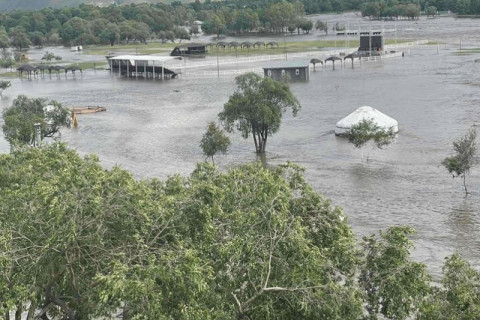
{"x": 153, "y": 129}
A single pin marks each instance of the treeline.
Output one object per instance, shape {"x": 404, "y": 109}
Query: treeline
{"x": 88, "y": 24}
{"x": 377, "y": 10}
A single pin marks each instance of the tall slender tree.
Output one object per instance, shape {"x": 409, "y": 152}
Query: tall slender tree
{"x": 459, "y": 165}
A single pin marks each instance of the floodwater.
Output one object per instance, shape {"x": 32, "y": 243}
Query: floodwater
{"x": 153, "y": 129}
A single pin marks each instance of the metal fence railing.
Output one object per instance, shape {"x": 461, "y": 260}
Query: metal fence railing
{"x": 193, "y": 69}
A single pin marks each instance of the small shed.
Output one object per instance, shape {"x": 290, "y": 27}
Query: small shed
{"x": 294, "y": 69}
{"x": 382, "y": 120}
{"x": 189, "y": 48}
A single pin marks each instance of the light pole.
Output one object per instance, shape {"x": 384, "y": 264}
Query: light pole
{"x": 285, "y": 45}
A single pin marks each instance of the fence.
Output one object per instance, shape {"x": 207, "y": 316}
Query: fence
{"x": 183, "y": 69}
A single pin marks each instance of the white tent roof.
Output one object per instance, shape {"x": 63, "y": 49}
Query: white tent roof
{"x": 365, "y": 112}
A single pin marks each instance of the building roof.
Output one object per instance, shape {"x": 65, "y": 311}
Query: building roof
{"x": 191, "y": 45}
{"x": 134, "y": 58}
{"x": 365, "y": 112}
{"x": 290, "y": 64}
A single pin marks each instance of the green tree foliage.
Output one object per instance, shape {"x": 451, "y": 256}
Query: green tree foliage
{"x": 460, "y": 164}
{"x": 194, "y": 30}
{"x": 393, "y": 286}
{"x": 431, "y": 11}
{"x": 305, "y": 24}
{"x": 6, "y": 59}
{"x": 75, "y": 31}
{"x": 45, "y": 25}
{"x": 459, "y": 296}
{"x": 19, "y": 38}
{"x": 182, "y": 34}
{"x": 240, "y": 244}
{"x": 280, "y": 15}
{"x": 4, "y": 85}
{"x": 49, "y": 56}
{"x": 322, "y": 26}
{"x": 257, "y": 108}
{"x": 37, "y": 38}
{"x": 377, "y": 10}
{"x": 4, "y": 39}
{"x": 81, "y": 242}
{"x": 110, "y": 35}
{"x": 367, "y": 130}
{"x": 215, "y": 25}
{"x": 21, "y": 117}
{"x": 214, "y": 141}
{"x": 66, "y": 221}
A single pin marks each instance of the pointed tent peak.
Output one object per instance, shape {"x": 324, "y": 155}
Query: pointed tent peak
{"x": 365, "y": 112}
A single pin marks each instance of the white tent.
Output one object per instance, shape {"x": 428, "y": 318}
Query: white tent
{"x": 382, "y": 120}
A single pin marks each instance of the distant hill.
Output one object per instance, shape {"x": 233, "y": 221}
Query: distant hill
{"x": 9, "y": 5}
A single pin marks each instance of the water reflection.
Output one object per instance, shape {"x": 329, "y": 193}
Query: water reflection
{"x": 464, "y": 224}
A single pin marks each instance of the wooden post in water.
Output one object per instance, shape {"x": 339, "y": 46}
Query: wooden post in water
{"x": 154, "y": 74}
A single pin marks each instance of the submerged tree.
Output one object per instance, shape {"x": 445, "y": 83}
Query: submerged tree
{"x": 4, "y": 85}
{"x": 367, "y": 130}
{"x": 460, "y": 164}
{"x": 28, "y": 120}
{"x": 257, "y": 108}
{"x": 214, "y": 141}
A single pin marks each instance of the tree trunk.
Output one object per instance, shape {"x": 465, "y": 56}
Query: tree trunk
{"x": 465, "y": 184}
{"x": 31, "y": 311}
{"x": 265, "y": 136}
{"x": 18, "y": 312}
{"x": 7, "y": 315}
{"x": 126, "y": 313}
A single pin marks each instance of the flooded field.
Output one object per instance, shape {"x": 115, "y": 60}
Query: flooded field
{"x": 153, "y": 128}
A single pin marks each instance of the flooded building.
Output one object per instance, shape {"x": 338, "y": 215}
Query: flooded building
{"x": 298, "y": 70}
{"x": 145, "y": 66}
{"x": 189, "y": 49}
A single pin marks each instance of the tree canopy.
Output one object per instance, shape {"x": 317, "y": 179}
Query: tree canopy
{"x": 257, "y": 108}
{"x": 4, "y": 85}
{"x": 367, "y": 130}
{"x": 26, "y": 113}
{"x": 214, "y": 141}
{"x": 79, "y": 242}
{"x": 459, "y": 165}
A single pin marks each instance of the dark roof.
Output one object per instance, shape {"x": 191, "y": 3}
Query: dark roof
{"x": 333, "y": 58}
{"x": 290, "y": 64}
{"x": 191, "y": 45}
